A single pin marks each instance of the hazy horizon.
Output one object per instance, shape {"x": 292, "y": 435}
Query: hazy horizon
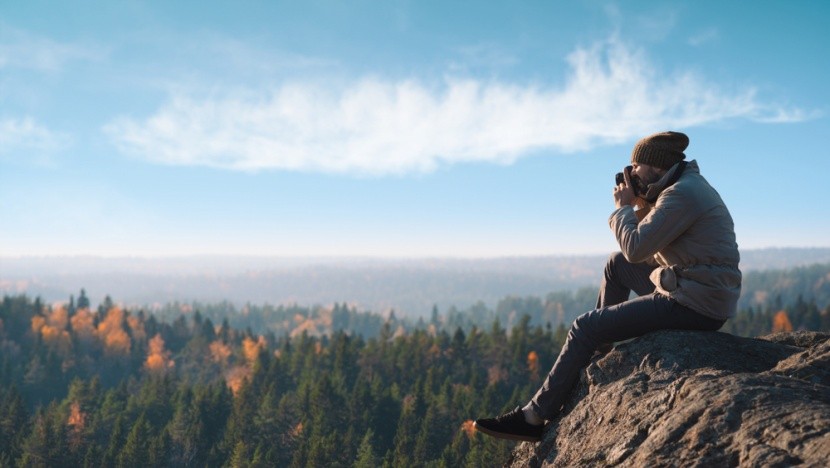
{"x": 288, "y": 261}
{"x": 392, "y": 129}
{"x": 410, "y": 286}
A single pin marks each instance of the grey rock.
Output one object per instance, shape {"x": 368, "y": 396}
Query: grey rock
{"x": 677, "y": 398}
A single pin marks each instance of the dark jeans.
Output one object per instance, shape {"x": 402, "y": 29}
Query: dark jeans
{"x": 615, "y": 319}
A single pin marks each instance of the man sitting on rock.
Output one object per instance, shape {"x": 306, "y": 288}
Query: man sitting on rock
{"x": 679, "y": 256}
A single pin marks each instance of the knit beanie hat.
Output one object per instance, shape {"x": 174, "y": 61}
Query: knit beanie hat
{"x": 661, "y": 150}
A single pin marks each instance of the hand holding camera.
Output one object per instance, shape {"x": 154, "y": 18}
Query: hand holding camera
{"x": 625, "y": 192}
{"x": 625, "y": 179}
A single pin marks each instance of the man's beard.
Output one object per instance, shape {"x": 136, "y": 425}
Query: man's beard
{"x": 640, "y": 186}
{"x": 643, "y": 183}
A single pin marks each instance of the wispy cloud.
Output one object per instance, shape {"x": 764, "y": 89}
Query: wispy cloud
{"x": 21, "y": 49}
{"x": 611, "y": 94}
{"x": 703, "y": 37}
{"x": 789, "y": 115}
{"x": 24, "y": 135}
{"x": 483, "y": 55}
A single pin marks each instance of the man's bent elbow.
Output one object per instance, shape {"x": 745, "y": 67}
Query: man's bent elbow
{"x": 636, "y": 255}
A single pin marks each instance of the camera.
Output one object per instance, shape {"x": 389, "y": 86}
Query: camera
{"x": 620, "y": 179}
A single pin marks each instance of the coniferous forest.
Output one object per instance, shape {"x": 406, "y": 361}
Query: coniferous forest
{"x": 209, "y": 385}
{"x": 111, "y": 387}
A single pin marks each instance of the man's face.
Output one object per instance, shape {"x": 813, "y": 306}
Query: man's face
{"x": 643, "y": 175}
{"x": 647, "y": 174}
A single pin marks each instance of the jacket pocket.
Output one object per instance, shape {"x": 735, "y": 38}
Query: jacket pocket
{"x": 664, "y": 278}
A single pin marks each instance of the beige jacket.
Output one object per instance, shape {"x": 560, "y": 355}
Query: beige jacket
{"x": 690, "y": 234}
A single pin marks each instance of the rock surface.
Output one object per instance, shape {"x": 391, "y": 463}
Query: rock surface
{"x": 677, "y": 398}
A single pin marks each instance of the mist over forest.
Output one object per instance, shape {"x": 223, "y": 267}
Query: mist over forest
{"x": 410, "y": 287}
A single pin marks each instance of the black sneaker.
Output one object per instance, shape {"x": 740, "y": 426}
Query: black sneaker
{"x": 511, "y": 426}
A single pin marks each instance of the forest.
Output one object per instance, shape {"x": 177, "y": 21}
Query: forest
{"x": 209, "y": 385}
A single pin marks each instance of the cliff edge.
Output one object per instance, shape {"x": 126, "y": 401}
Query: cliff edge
{"x": 677, "y": 398}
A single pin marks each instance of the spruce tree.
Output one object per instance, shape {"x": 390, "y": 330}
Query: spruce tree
{"x": 366, "y": 457}
{"x": 136, "y": 450}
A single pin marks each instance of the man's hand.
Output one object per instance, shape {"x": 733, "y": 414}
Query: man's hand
{"x": 623, "y": 193}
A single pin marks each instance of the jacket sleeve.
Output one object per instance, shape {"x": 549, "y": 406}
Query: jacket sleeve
{"x": 671, "y": 216}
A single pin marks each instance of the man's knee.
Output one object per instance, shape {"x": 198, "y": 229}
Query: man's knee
{"x": 583, "y": 326}
{"x": 614, "y": 260}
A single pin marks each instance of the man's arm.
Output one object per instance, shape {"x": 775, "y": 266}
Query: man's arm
{"x": 669, "y": 218}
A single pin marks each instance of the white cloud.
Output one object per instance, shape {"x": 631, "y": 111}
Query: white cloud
{"x": 788, "y": 115}
{"x": 27, "y": 136}
{"x": 612, "y": 94}
{"x": 20, "y": 49}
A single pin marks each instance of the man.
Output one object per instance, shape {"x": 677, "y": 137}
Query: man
{"x": 678, "y": 254}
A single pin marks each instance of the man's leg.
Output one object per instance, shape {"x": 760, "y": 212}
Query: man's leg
{"x": 620, "y": 278}
{"x": 605, "y": 325}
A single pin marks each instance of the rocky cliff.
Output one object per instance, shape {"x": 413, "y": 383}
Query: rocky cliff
{"x": 679, "y": 398}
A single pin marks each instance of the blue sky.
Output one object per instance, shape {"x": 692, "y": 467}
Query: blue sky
{"x": 396, "y": 128}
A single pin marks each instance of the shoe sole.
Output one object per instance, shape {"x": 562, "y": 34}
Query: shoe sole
{"x": 504, "y": 435}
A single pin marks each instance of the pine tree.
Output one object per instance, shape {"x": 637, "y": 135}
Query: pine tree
{"x": 186, "y": 433}
{"x": 83, "y": 301}
{"x": 269, "y": 431}
{"x": 239, "y": 456}
{"x": 13, "y": 422}
{"x": 137, "y": 446}
{"x": 116, "y": 441}
{"x": 44, "y": 445}
{"x": 160, "y": 451}
{"x": 366, "y": 457}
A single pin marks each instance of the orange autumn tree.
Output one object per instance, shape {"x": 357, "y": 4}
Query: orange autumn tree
{"x": 111, "y": 332}
{"x": 53, "y": 329}
{"x": 781, "y": 322}
{"x": 468, "y": 428}
{"x": 76, "y": 424}
{"x": 83, "y": 325}
{"x": 220, "y": 352}
{"x": 533, "y": 365}
{"x": 251, "y": 348}
{"x": 158, "y": 358}
{"x": 136, "y": 328}
{"x": 235, "y": 376}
